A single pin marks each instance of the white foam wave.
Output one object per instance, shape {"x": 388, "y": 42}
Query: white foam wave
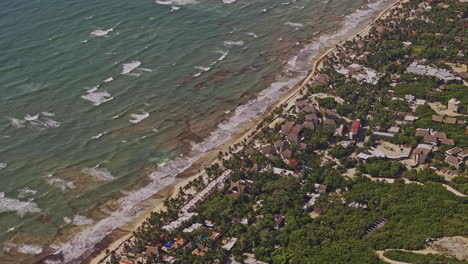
{"x": 60, "y": 183}
{"x": 31, "y": 118}
{"x": 129, "y": 67}
{"x": 130, "y": 205}
{"x": 223, "y": 54}
{"x": 294, "y": 25}
{"x": 145, "y": 69}
{"x": 99, "y": 135}
{"x": 80, "y": 220}
{"x": 40, "y": 120}
{"x": 252, "y": 34}
{"x": 163, "y": 2}
{"x": 48, "y": 122}
{"x": 202, "y": 69}
{"x": 137, "y": 118}
{"x": 26, "y": 192}
{"x": 97, "y": 97}
{"x": 20, "y": 207}
{"x": 101, "y": 33}
{"x": 17, "y": 123}
{"x": 48, "y": 114}
{"x": 175, "y": 2}
{"x": 231, "y": 43}
{"x": 101, "y": 174}
{"x": 30, "y": 249}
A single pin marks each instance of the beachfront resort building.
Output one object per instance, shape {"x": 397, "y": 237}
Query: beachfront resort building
{"x": 439, "y": 73}
{"x": 360, "y": 73}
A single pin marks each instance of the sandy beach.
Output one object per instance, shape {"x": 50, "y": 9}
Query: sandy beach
{"x": 116, "y": 239}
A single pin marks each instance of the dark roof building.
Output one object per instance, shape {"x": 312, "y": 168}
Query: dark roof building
{"x": 280, "y": 144}
{"x": 430, "y": 139}
{"x": 437, "y": 118}
{"x": 453, "y": 161}
{"x": 440, "y": 135}
{"x": 329, "y": 122}
{"x": 450, "y": 120}
{"x": 309, "y": 125}
{"x": 268, "y": 150}
{"x": 287, "y": 154}
{"x": 447, "y": 141}
{"x": 420, "y": 132}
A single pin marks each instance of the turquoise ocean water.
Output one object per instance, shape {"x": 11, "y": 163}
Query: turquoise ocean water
{"x": 94, "y": 92}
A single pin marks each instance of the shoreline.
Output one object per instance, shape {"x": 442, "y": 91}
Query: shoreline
{"x": 116, "y": 238}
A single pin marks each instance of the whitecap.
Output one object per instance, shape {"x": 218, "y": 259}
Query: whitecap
{"x": 2, "y": 165}
{"x": 16, "y": 123}
{"x": 67, "y": 220}
{"x": 101, "y": 33}
{"x": 30, "y": 249}
{"x": 137, "y": 118}
{"x": 20, "y": 207}
{"x": 48, "y": 122}
{"x": 26, "y": 192}
{"x": 295, "y": 25}
{"x": 145, "y": 69}
{"x": 134, "y": 74}
{"x": 99, "y": 135}
{"x": 97, "y": 97}
{"x": 174, "y": 8}
{"x": 49, "y": 114}
{"x": 175, "y": 2}
{"x": 110, "y": 79}
{"x": 163, "y": 2}
{"x": 230, "y": 43}
{"x": 223, "y": 54}
{"x": 89, "y": 17}
{"x": 129, "y": 67}
{"x": 203, "y": 68}
{"x": 31, "y": 118}
{"x": 80, "y": 220}
{"x": 60, "y": 183}
{"x": 98, "y": 173}
{"x": 229, "y": 1}
{"x": 252, "y": 34}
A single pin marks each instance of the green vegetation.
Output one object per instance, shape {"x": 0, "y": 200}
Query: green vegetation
{"x": 424, "y": 175}
{"x": 421, "y": 89}
{"x": 415, "y": 258}
{"x": 454, "y": 91}
{"x": 382, "y": 168}
{"x": 327, "y": 102}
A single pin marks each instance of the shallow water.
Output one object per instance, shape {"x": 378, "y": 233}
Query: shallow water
{"x": 93, "y": 92}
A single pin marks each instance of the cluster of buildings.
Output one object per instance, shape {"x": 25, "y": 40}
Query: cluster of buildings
{"x": 441, "y": 74}
{"x": 456, "y": 157}
{"x": 447, "y": 120}
{"x": 360, "y": 73}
